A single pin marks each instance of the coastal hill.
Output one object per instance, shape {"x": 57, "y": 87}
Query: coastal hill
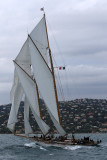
{"x": 79, "y": 116}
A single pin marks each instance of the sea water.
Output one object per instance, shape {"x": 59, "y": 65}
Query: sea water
{"x": 19, "y": 148}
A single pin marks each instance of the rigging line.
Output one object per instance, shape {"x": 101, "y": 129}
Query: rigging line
{"x": 63, "y": 97}
{"x": 59, "y": 81}
{"x": 56, "y": 43}
{"x": 67, "y": 87}
{"x": 60, "y": 87}
{"x": 68, "y": 92}
{"x": 51, "y": 62}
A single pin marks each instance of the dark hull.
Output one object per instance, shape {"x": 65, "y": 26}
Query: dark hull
{"x": 67, "y": 142}
{"x": 64, "y": 143}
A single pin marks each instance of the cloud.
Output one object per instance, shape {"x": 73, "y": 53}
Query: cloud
{"x": 83, "y": 28}
{"x": 6, "y": 66}
{"x": 83, "y": 74}
{"x": 78, "y": 39}
{"x": 82, "y": 80}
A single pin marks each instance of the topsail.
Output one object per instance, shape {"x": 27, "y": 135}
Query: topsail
{"x": 39, "y": 37}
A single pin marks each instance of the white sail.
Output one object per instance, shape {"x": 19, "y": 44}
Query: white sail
{"x": 33, "y": 57}
{"x": 15, "y": 83}
{"x": 28, "y": 129}
{"x": 43, "y": 126}
{"x": 23, "y": 58}
{"x": 30, "y": 91}
{"x": 39, "y": 37}
{"x": 15, "y": 106}
{"x": 44, "y": 81}
{"x": 58, "y": 127}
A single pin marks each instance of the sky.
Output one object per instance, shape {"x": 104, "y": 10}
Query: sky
{"x": 78, "y": 40}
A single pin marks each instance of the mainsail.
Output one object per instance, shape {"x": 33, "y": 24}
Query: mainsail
{"x": 34, "y": 55}
{"x": 44, "y": 79}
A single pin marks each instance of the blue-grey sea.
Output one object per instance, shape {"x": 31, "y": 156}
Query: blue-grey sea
{"x": 18, "y": 148}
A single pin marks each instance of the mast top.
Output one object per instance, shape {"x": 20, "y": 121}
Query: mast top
{"x": 42, "y": 9}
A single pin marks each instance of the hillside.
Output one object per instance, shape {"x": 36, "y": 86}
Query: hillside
{"x": 79, "y": 116}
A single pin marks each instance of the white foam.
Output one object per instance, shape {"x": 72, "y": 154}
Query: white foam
{"x": 72, "y": 147}
{"x": 51, "y": 154}
{"x": 32, "y": 145}
{"x": 43, "y": 148}
{"x": 103, "y": 144}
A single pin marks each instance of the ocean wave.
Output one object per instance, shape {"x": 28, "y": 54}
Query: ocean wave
{"x": 103, "y": 144}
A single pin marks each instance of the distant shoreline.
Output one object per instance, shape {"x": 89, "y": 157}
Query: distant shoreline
{"x": 79, "y": 116}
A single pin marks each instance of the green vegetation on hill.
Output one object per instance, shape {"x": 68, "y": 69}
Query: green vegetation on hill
{"x": 79, "y": 116}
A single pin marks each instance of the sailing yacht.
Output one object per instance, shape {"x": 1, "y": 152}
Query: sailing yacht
{"x": 34, "y": 55}
{"x": 34, "y": 76}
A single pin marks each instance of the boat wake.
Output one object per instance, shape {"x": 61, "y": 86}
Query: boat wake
{"x": 30, "y": 145}
{"x": 34, "y": 145}
{"x": 72, "y": 147}
{"x": 43, "y": 148}
{"x": 103, "y": 144}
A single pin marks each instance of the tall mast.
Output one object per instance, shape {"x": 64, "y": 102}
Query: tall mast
{"x": 53, "y": 73}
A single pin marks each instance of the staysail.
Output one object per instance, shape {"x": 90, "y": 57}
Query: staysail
{"x": 28, "y": 129}
{"x": 24, "y": 62}
{"x": 18, "y": 92}
{"x": 29, "y": 88}
{"x": 15, "y": 83}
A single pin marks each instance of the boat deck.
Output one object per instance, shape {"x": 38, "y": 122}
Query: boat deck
{"x": 66, "y": 142}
